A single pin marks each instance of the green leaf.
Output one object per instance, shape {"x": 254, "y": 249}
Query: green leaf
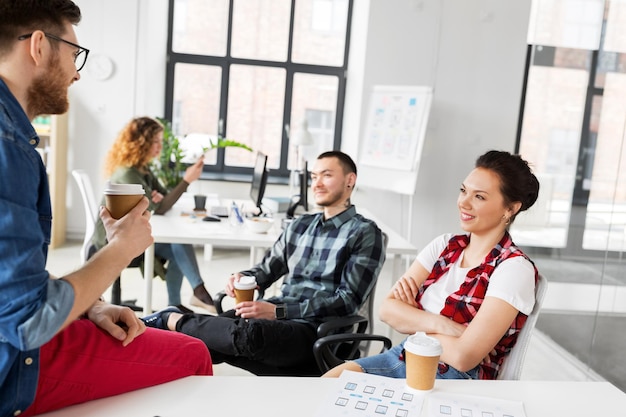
{"x": 224, "y": 143}
{"x": 170, "y": 169}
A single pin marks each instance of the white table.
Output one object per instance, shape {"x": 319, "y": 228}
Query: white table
{"x": 292, "y": 396}
{"x": 176, "y": 228}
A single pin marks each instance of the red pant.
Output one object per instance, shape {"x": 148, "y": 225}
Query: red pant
{"x": 83, "y": 363}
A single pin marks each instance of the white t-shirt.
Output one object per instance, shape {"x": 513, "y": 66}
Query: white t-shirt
{"x": 512, "y": 281}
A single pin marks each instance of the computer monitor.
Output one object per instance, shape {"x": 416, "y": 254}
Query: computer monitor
{"x": 302, "y": 198}
{"x": 259, "y": 180}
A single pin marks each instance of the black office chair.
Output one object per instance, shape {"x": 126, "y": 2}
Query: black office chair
{"x": 356, "y": 324}
{"x": 329, "y": 349}
{"x": 335, "y": 349}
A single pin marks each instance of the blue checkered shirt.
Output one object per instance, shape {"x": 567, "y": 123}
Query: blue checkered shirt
{"x": 330, "y": 266}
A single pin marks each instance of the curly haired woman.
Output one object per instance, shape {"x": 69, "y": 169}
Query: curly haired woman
{"x": 128, "y": 162}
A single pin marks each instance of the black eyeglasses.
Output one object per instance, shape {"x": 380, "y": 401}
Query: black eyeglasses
{"x": 80, "y": 56}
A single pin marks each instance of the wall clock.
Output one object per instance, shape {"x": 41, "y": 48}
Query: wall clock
{"x": 100, "y": 67}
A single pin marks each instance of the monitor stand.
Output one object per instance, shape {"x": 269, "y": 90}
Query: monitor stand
{"x": 291, "y": 211}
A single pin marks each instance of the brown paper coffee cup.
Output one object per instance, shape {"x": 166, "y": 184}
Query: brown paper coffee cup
{"x": 244, "y": 289}
{"x": 422, "y": 357}
{"x": 121, "y": 198}
{"x": 243, "y": 295}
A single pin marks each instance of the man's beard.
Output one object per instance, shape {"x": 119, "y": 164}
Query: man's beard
{"x": 330, "y": 199}
{"x": 48, "y": 93}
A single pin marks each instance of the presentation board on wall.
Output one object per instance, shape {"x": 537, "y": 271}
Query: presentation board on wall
{"x": 394, "y": 137}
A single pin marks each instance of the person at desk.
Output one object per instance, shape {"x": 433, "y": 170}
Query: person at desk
{"x": 330, "y": 261}
{"x": 474, "y": 291}
{"x": 59, "y": 344}
{"x": 127, "y": 162}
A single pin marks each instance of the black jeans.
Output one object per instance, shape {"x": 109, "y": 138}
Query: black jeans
{"x": 278, "y": 343}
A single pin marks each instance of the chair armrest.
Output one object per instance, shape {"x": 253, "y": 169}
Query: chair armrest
{"x": 340, "y": 323}
{"x": 324, "y": 348}
{"x": 217, "y": 301}
{"x": 219, "y": 298}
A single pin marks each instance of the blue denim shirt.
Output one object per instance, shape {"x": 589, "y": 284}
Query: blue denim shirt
{"x": 32, "y": 306}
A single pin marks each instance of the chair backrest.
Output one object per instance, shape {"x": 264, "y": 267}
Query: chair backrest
{"x": 367, "y": 310}
{"x": 91, "y": 209}
{"x": 512, "y": 366}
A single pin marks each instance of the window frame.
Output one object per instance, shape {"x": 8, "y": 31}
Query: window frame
{"x": 586, "y": 150}
{"x": 220, "y": 170}
{"x": 587, "y": 139}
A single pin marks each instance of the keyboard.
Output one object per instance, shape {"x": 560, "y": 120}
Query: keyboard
{"x": 220, "y": 211}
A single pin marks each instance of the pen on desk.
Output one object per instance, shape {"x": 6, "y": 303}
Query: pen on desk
{"x": 237, "y": 212}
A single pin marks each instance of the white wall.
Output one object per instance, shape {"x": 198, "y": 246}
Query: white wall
{"x": 133, "y": 33}
{"x": 471, "y": 51}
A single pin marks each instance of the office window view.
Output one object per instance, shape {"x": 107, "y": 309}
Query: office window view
{"x": 254, "y": 71}
{"x": 573, "y": 128}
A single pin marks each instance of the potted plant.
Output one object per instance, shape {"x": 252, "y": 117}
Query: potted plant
{"x": 169, "y": 167}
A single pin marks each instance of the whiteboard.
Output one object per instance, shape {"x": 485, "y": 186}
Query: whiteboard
{"x": 394, "y": 137}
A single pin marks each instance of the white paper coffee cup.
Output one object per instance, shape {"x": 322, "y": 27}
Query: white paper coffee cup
{"x": 422, "y": 354}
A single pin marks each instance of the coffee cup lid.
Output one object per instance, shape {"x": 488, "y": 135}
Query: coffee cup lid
{"x": 246, "y": 282}
{"x": 421, "y": 344}
{"x": 122, "y": 189}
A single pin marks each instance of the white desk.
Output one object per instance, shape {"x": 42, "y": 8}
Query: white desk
{"x": 175, "y": 228}
{"x": 292, "y": 396}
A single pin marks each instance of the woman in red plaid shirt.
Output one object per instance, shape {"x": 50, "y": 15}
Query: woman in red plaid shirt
{"x": 473, "y": 291}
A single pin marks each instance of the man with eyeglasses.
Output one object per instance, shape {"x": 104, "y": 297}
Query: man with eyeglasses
{"x": 59, "y": 343}
{"x": 80, "y": 55}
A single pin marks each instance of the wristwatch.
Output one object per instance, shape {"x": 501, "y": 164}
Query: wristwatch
{"x": 281, "y": 311}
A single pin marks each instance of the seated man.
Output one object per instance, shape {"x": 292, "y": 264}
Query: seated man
{"x": 330, "y": 261}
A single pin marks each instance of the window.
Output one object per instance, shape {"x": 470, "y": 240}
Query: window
{"x": 573, "y": 125}
{"x": 573, "y": 130}
{"x": 248, "y": 70}
{"x": 321, "y": 126}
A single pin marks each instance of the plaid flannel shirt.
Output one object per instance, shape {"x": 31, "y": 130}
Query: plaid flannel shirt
{"x": 330, "y": 266}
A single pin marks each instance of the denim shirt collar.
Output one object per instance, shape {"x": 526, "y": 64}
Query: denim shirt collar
{"x": 17, "y": 115}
